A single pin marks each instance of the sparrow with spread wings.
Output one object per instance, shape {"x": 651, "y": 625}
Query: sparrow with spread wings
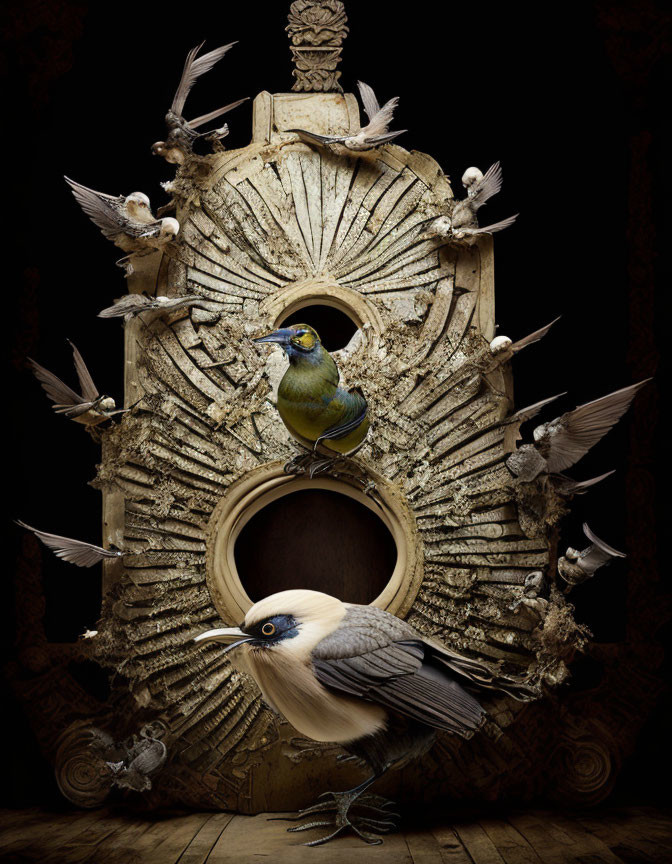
{"x": 182, "y": 133}
{"x": 126, "y": 220}
{"x": 372, "y": 135}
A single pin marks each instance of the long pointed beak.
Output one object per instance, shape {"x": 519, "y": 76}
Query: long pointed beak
{"x": 230, "y": 636}
{"x": 280, "y": 337}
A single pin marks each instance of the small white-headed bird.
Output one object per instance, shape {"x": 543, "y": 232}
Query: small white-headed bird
{"x": 461, "y": 223}
{"x": 130, "y": 305}
{"x": 87, "y": 407}
{"x": 76, "y": 552}
{"x": 575, "y": 567}
{"x": 182, "y": 133}
{"x": 126, "y": 220}
{"x": 360, "y": 677}
{"x": 372, "y": 135}
{"x": 560, "y": 443}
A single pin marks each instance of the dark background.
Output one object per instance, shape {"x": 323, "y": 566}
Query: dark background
{"x": 573, "y": 100}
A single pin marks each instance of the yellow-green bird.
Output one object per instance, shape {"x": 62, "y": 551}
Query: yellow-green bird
{"x": 315, "y": 410}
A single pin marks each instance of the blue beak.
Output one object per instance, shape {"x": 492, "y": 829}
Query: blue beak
{"x": 279, "y": 337}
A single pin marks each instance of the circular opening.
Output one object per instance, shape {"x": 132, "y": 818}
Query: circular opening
{"x": 317, "y": 539}
{"x": 335, "y": 328}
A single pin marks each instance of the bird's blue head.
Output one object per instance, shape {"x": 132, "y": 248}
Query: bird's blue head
{"x": 299, "y": 340}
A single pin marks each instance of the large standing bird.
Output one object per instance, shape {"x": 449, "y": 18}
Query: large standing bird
{"x": 182, "y": 133}
{"x": 372, "y": 135}
{"x": 125, "y": 220}
{"x": 360, "y": 677}
{"x": 318, "y": 413}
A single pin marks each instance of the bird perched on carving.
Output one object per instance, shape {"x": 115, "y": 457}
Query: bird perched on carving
{"x": 182, "y": 133}
{"x": 126, "y": 220}
{"x": 87, "y": 407}
{"x": 76, "y": 552}
{"x": 318, "y": 413}
{"x": 360, "y": 677}
{"x": 560, "y": 443}
{"x": 575, "y": 567}
{"x": 461, "y": 222}
{"x": 130, "y": 305}
{"x": 373, "y": 134}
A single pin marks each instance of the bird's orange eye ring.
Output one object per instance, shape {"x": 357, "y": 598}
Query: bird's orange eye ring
{"x": 268, "y": 629}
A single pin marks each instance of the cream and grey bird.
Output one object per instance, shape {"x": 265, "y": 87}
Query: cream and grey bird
{"x": 461, "y": 222}
{"x": 126, "y": 220}
{"x": 182, "y": 133}
{"x": 560, "y": 443}
{"x": 130, "y": 305}
{"x": 375, "y": 133}
{"x": 504, "y": 348}
{"x": 577, "y": 566}
{"x": 362, "y": 678}
{"x": 76, "y": 552}
{"x": 87, "y": 407}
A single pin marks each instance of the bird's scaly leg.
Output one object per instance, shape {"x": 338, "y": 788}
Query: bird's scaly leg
{"x": 338, "y": 810}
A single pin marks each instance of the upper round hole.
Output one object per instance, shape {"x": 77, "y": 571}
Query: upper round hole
{"x": 335, "y": 328}
{"x": 316, "y": 539}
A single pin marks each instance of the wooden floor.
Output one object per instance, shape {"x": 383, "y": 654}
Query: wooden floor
{"x": 635, "y": 835}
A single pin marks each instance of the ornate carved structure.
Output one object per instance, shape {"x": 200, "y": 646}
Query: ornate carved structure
{"x": 316, "y": 33}
{"x": 266, "y": 230}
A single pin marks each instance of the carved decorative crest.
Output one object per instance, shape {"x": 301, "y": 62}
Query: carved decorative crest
{"x": 317, "y": 29}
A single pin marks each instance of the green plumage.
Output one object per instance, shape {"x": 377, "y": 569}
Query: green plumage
{"x": 311, "y": 403}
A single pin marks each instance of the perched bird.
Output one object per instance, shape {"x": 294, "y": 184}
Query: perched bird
{"x": 373, "y": 134}
{"x": 87, "y": 407}
{"x": 74, "y": 551}
{"x": 535, "y": 584}
{"x": 318, "y": 413}
{"x": 126, "y": 221}
{"x": 182, "y": 133}
{"x": 130, "y": 305}
{"x": 360, "y": 677}
{"x": 461, "y": 223}
{"x": 560, "y": 443}
{"x": 575, "y": 567}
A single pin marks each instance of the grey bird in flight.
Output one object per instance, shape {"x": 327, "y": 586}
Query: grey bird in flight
{"x": 560, "y": 443}
{"x": 362, "y": 678}
{"x": 87, "y": 407}
{"x": 577, "y": 566}
{"x": 125, "y": 220}
{"x": 182, "y": 133}
{"x": 130, "y": 305}
{"x": 504, "y": 348}
{"x": 373, "y": 134}
{"x": 461, "y": 222}
{"x": 74, "y": 551}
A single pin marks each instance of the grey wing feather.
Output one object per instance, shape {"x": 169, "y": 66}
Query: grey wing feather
{"x": 488, "y": 186}
{"x": 568, "y": 486}
{"x": 380, "y": 122}
{"x": 573, "y": 434}
{"x": 369, "y": 101}
{"x": 205, "y": 118}
{"x": 532, "y": 410}
{"x": 56, "y": 390}
{"x": 103, "y": 210}
{"x": 597, "y": 554}
{"x": 533, "y": 337}
{"x": 394, "y": 676}
{"x": 89, "y": 389}
{"x": 129, "y": 304}
{"x": 193, "y": 69}
{"x": 389, "y": 136}
{"x": 74, "y": 551}
{"x": 494, "y": 227}
{"x": 314, "y": 138}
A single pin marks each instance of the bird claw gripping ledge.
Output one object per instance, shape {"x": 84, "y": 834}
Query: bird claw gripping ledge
{"x": 313, "y": 464}
{"x": 337, "y": 808}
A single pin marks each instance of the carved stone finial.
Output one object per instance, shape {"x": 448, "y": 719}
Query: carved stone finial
{"x": 316, "y": 30}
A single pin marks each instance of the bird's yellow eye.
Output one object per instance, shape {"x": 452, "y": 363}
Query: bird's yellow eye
{"x": 268, "y": 629}
{"x": 305, "y": 340}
